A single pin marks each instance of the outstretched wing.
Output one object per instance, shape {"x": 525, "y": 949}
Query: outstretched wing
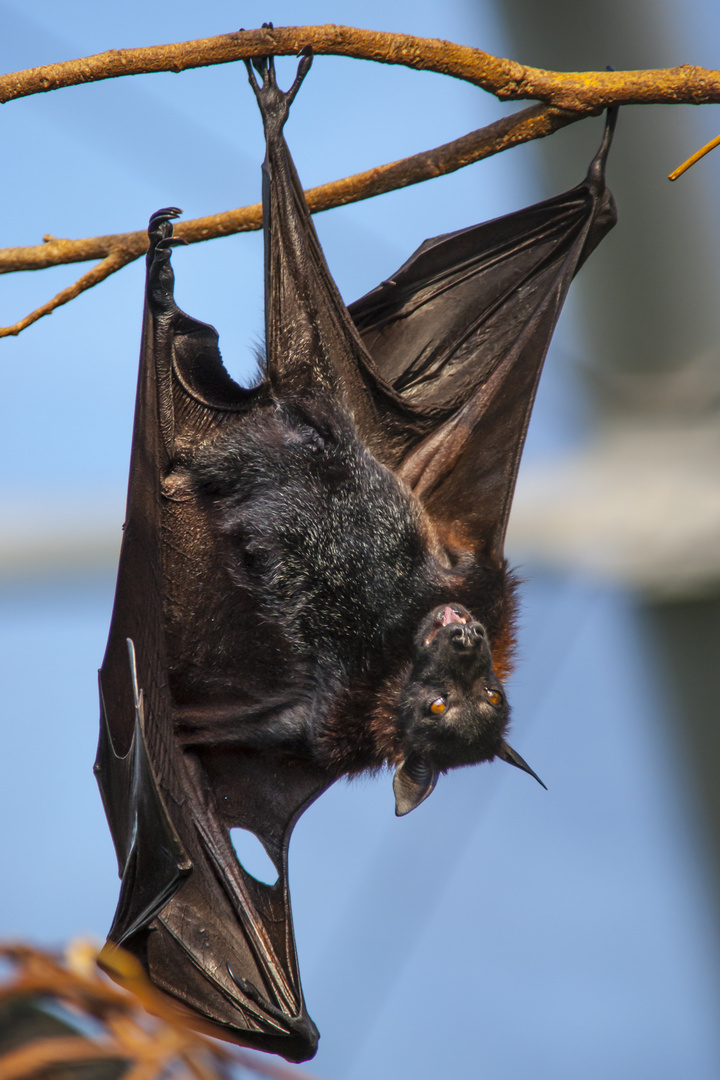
{"x": 208, "y": 933}
{"x": 439, "y": 364}
{"x": 459, "y": 334}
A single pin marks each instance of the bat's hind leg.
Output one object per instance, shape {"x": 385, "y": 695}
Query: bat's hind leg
{"x": 275, "y": 103}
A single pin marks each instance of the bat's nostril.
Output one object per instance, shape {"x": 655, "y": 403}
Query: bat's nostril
{"x": 461, "y": 638}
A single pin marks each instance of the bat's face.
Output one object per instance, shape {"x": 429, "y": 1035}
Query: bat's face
{"x": 453, "y": 710}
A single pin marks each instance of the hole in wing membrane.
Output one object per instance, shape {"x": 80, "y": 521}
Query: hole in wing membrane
{"x": 253, "y": 856}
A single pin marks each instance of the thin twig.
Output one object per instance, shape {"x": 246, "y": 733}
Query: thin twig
{"x": 138, "y": 1025}
{"x": 103, "y": 270}
{"x": 695, "y": 157}
{"x": 118, "y": 250}
{"x": 506, "y": 79}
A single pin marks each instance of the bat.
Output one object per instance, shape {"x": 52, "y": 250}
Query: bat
{"x": 312, "y": 580}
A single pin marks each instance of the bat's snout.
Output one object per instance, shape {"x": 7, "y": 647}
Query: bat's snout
{"x": 466, "y": 636}
{"x": 451, "y": 616}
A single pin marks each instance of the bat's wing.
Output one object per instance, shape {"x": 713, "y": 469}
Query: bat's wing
{"x": 312, "y": 344}
{"x": 439, "y": 365}
{"x": 459, "y": 335}
{"x": 208, "y": 933}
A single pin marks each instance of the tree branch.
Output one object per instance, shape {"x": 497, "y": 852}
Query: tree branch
{"x": 104, "y": 269}
{"x": 116, "y": 251}
{"x": 506, "y": 79}
{"x": 568, "y": 96}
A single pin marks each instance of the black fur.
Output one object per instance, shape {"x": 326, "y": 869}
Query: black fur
{"x": 342, "y": 561}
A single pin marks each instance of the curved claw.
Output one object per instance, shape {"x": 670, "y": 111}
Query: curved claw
{"x": 160, "y": 228}
{"x": 165, "y": 214}
{"x": 166, "y": 242}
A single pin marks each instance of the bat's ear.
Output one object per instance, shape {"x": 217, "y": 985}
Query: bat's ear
{"x": 415, "y": 779}
{"x": 506, "y": 753}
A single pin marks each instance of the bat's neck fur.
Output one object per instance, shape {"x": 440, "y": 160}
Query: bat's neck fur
{"x": 333, "y": 564}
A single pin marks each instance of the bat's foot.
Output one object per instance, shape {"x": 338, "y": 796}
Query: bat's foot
{"x": 160, "y": 279}
{"x": 275, "y": 103}
{"x": 160, "y": 225}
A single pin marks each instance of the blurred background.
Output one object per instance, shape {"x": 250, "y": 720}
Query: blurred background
{"x": 499, "y": 930}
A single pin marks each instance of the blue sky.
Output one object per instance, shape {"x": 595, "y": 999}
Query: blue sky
{"x": 499, "y": 930}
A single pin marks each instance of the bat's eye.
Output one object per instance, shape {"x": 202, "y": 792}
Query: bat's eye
{"x": 494, "y": 696}
{"x": 439, "y": 705}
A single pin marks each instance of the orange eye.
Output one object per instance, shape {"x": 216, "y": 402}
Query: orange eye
{"x": 493, "y": 696}
{"x": 439, "y": 705}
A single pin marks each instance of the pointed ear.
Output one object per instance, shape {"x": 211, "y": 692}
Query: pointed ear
{"x": 414, "y": 780}
{"x": 513, "y": 758}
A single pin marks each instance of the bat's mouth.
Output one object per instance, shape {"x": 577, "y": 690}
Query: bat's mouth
{"x": 443, "y": 617}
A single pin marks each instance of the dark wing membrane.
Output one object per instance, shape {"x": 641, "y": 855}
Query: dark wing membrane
{"x": 453, "y": 311}
{"x": 207, "y": 932}
{"x": 312, "y": 345}
{"x": 152, "y": 861}
{"x": 133, "y": 681}
{"x": 460, "y": 334}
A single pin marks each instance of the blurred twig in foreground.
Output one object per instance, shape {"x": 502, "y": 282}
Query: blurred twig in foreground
{"x": 62, "y": 1019}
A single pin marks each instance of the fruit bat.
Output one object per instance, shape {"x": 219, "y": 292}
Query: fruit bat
{"x": 312, "y": 580}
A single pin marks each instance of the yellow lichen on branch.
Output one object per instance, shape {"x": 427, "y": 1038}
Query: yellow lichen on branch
{"x": 567, "y": 96}
{"x": 506, "y": 79}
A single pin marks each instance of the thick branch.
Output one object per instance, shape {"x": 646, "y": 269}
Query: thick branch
{"x": 569, "y": 97}
{"x": 504, "y": 78}
{"x": 118, "y": 250}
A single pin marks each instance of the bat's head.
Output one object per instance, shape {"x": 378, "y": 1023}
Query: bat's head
{"x": 453, "y": 709}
